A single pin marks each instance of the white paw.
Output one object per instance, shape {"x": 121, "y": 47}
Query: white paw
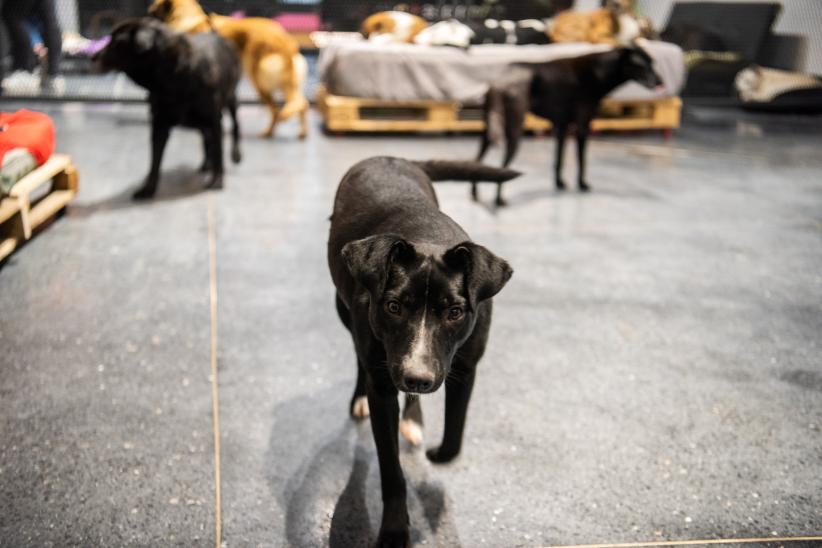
{"x": 411, "y": 431}
{"x": 360, "y": 409}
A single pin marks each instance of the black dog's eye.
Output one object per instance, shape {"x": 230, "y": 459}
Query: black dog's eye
{"x": 455, "y": 313}
{"x": 393, "y": 307}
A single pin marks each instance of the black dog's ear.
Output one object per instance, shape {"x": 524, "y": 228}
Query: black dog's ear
{"x": 368, "y": 259}
{"x": 485, "y": 273}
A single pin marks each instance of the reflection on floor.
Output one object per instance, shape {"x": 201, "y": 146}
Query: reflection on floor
{"x": 653, "y": 370}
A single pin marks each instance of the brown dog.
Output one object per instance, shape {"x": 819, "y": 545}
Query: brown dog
{"x": 394, "y": 27}
{"x": 616, "y": 23}
{"x": 596, "y": 27}
{"x": 270, "y": 56}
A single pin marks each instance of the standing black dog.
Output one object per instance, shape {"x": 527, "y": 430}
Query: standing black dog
{"x": 565, "y": 91}
{"x": 190, "y": 78}
{"x": 415, "y": 293}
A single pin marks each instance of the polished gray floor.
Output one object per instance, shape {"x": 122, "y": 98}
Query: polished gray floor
{"x": 654, "y": 370}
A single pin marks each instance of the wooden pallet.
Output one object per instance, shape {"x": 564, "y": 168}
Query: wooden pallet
{"x": 21, "y": 212}
{"x": 374, "y": 115}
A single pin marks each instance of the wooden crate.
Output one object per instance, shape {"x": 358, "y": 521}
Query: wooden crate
{"x": 21, "y": 212}
{"x": 374, "y": 115}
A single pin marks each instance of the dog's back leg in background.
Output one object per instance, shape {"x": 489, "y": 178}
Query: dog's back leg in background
{"x": 584, "y": 118}
{"x": 236, "y": 155}
{"x": 561, "y": 133}
{"x": 492, "y": 116}
{"x": 213, "y": 136}
{"x": 516, "y": 105}
{"x": 273, "y": 109}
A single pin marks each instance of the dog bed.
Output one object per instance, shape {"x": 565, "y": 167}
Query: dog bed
{"x": 412, "y": 72}
{"x": 26, "y": 141}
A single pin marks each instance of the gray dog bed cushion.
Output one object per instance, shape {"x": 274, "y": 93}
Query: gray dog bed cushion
{"x": 405, "y": 72}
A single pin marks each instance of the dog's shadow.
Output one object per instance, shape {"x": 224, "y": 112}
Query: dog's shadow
{"x": 333, "y": 497}
{"x": 175, "y": 184}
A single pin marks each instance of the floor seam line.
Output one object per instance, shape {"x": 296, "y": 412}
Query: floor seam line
{"x": 652, "y": 543}
{"x": 215, "y": 396}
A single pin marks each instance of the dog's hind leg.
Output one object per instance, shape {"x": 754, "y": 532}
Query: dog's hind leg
{"x": 492, "y": 115}
{"x": 300, "y": 71}
{"x": 562, "y": 131}
{"x": 411, "y": 423}
{"x": 236, "y": 155}
{"x": 273, "y": 110}
{"x": 516, "y": 105}
{"x": 206, "y": 165}
{"x": 214, "y": 137}
{"x": 358, "y": 407}
{"x": 582, "y": 138}
{"x": 303, "y": 122}
{"x": 296, "y": 103}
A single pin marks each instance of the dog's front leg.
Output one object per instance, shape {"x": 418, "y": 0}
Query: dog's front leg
{"x": 159, "y": 137}
{"x": 384, "y": 407}
{"x": 458, "y": 387}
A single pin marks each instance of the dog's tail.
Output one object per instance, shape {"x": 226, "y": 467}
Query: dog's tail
{"x": 447, "y": 170}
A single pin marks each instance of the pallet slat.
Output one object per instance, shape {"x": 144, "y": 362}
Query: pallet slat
{"x": 48, "y": 206}
{"x": 7, "y": 246}
{"x": 41, "y": 175}
{"x": 19, "y": 216}
{"x": 373, "y": 115}
{"x": 8, "y": 208}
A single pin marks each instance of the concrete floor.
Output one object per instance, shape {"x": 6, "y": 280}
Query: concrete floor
{"x": 653, "y": 371}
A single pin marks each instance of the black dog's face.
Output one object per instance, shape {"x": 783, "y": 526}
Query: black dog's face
{"x": 423, "y": 302}
{"x": 639, "y": 66}
{"x": 128, "y": 42}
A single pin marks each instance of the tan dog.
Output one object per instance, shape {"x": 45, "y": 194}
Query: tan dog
{"x": 393, "y": 27}
{"x": 616, "y": 23}
{"x": 270, "y": 56}
{"x": 596, "y": 27}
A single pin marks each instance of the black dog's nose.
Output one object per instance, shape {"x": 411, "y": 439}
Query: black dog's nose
{"x": 419, "y": 382}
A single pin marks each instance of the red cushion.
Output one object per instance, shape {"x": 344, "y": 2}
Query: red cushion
{"x": 27, "y": 129}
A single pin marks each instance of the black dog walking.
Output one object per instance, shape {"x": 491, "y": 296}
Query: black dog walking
{"x": 566, "y": 92}
{"x": 190, "y": 78}
{"x": 415, "y": 293}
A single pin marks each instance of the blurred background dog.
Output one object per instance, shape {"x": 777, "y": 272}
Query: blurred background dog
{"x": 393, "y": 27}
{"x": 565, "y": 91}
{"x": 270, "y": 56}
{"x": 190, "y": 80}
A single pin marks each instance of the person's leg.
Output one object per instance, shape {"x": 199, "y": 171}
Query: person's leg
{"x": 46, "y": 14}
{"x": 14, "y": 14}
